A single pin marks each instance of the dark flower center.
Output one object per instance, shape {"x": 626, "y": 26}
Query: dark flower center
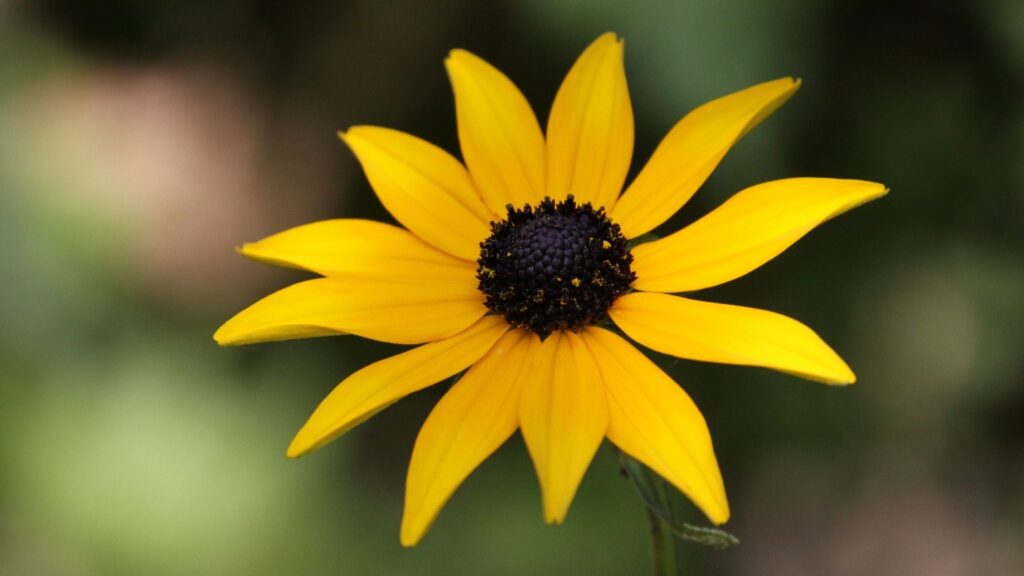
{"x": 558, "y": 266}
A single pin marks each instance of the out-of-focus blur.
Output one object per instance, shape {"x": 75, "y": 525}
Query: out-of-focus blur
{"x": 140, "y": 142}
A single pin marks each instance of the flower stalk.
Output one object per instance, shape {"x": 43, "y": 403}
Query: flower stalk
{"x": 665, "y": 508}
{"x": 663, "y": 546}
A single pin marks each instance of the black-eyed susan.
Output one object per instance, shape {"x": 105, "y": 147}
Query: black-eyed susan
{"x": 517, "y": 266}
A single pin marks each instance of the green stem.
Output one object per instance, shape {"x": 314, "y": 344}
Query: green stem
{"x": 663, "y": 545}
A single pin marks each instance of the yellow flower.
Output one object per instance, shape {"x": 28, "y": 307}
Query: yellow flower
{"x": 512, "y": 265}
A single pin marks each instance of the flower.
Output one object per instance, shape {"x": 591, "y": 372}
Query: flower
{"x": 511, "y": 266}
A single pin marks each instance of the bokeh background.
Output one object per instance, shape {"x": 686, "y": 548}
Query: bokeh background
{"x": 141, "y": 141}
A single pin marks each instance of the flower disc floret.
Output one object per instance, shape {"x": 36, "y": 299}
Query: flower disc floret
{"x": 558, "y": 266}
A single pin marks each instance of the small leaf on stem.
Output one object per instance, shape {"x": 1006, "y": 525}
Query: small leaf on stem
{"x": 670, "y": 506}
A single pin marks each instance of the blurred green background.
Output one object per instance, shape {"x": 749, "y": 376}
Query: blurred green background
{"x": 140, "y": 142}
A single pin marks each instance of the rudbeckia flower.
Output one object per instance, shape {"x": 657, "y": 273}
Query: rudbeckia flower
{"x": 520, "y": 268}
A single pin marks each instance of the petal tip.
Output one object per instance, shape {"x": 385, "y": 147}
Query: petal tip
{"x": 792, "y": 85}
{"x": 716, "y": 508}
{"x": 456, "y": 62}
{"x": 553, "y": 520}
{"x": 310, "y": 438}
{"x": 230, "y": 334}
{"x": 720, "y": 517}
{"x": 873, "y": 189}
{"x": 456, "y": 55}
{"x": 839, "y": 375}
{"x": 346, "y": 138}
{"x": 847, "y": 380}
{"x": 347, "y": 134}
{"x": 848, "y": 377}
{"x": 787, "y": 84}
{"x": 716, "y": 504}
{"x": 249, "y": 250}
{"x": 358, "y": 131}
{"x": 221, "y": 336}
{"x": 554, "y": 514}
{"x": 298, "y": 447}
{"x": 874, "y": 192}
{"x": 607, "y": 41}
{"x": 409, "y": 535}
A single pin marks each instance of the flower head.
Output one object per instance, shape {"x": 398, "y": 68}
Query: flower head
{"x": 517, "y": 267}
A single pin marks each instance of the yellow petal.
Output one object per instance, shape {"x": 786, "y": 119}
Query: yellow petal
{"x": 470, "y": 422}
{"x": 564, "y": 416}
{"x": 423, "y": 187}
{"x": 690, "y": 152}
{"x": 653, "y": 420}
{"x": 500, "y": 138}
{"x": 746, "y": 231}
{"x": 728, "y": 334}
{"x": 590, "y": 129}
{"x": 362, "y": 248}
{"x": 381, "y": 309}
{"x": 378, "y": 385}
